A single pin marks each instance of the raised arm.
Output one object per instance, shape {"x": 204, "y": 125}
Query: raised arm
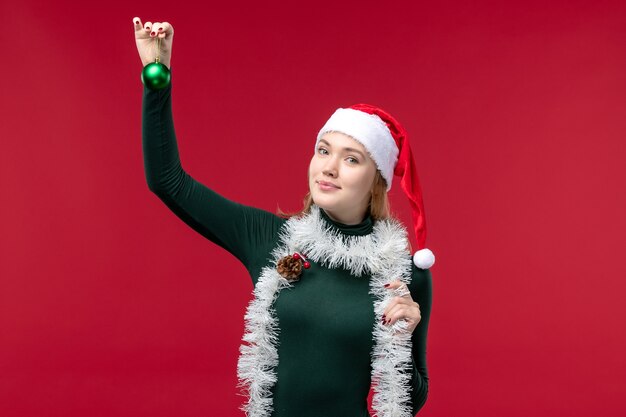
{"x": 242, "y": 230}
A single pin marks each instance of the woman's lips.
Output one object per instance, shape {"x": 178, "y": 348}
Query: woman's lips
{"x": 326, "y": 186}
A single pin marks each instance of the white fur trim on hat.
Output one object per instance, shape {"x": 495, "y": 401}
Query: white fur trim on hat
{"x": 371, "y": 132}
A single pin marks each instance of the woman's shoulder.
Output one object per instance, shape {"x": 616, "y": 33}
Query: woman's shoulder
{"x": 421, "y": 279}
{"x": 263, "y": 221}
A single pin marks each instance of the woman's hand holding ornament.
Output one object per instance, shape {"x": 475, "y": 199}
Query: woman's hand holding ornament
{"x": 146, "y": 35}
{"x": 402, "y": 307}
{"x": 155, "y": 53}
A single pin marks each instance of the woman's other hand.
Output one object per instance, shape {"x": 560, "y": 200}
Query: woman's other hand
{"x": 146, "y": 35}
{"x": 402, "y": 307}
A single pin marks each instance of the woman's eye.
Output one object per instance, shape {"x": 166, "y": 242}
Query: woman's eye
{"x": 322, "y": 150}
{"x": 356, "y": 161}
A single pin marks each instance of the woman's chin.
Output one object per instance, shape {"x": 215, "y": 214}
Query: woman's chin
{"x": 325, "y": 202}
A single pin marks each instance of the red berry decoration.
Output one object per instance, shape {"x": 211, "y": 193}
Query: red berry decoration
{"x": 307, "y": 265}
{"x": 296, "y": 255}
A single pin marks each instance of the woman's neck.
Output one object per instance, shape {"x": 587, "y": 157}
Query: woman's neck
{"x": 348, "y": 219}
{"x": 364, "y": 227}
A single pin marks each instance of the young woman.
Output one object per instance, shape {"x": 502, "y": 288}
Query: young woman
{"x": 339, "y": 306}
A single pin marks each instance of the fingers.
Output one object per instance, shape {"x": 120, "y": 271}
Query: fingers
{"x": 393, "y": 284}
{"x": 393, "y": 307}
{"x": 400, "y": 300}
{"x": 160, "y": 29}
{"x": 399, "y": 288}
{"x": 403, "y": 311}
{"x": 397, "y": 312}
{"x": 142, "y": 30}
{"x": 400, "y": 306}
{"x": 163, "y": 30}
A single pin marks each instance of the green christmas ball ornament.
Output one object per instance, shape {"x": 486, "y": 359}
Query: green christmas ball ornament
{"x": 156, "y": 76}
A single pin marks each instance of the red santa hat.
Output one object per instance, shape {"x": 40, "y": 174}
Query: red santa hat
{"x": 386, "y": 141}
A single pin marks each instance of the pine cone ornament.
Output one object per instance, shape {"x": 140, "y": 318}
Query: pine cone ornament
{"x": 290, "y": 268}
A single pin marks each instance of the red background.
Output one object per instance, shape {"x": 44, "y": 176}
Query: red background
{"x": 111, "y": 306}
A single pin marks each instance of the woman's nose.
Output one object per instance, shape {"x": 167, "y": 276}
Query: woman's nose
{"x": 330, "y": 168}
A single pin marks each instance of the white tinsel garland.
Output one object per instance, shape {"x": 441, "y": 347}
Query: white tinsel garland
{"x": 384, "y": 255}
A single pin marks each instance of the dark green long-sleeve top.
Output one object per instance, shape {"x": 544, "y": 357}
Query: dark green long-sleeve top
{"x": 326, "y": 321}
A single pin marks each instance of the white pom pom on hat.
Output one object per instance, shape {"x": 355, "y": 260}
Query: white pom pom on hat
{"x": 386, "y": 141}
{"x": 424, "y": 258}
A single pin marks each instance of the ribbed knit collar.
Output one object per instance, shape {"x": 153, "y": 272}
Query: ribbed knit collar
{"x": 360, "y": 229}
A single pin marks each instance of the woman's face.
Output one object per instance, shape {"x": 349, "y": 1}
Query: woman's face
{"x": 343, "y": 162}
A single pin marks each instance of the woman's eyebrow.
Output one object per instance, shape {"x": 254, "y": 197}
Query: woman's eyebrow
{"x": 345, "y": 149}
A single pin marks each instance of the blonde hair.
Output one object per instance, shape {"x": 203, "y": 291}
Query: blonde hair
{"x": 378, "y": 207}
